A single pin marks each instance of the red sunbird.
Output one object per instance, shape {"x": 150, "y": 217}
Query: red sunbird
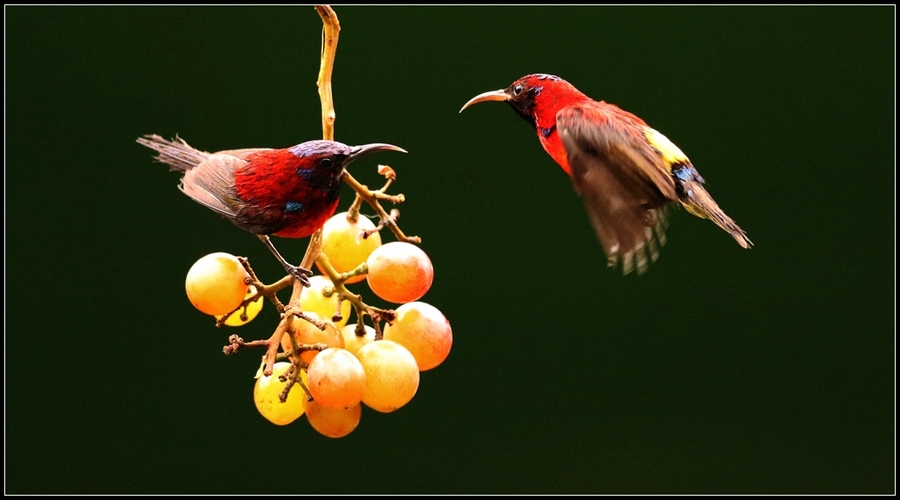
{"x": 287, "y": 192}
{"x": 626, "y": 172}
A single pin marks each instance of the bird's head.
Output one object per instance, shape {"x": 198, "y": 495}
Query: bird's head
{"x": 536, "y": 97}
{"x": 332, "y": 156}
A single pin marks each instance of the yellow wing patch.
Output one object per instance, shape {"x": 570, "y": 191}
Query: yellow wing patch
{"x": 670, "y": 152}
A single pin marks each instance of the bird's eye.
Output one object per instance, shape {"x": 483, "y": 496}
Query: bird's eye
{"x": 326, "y": 162}
{"x": 518, "y": 89}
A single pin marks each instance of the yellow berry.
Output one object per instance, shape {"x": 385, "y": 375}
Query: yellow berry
{"x": 313, "y": 299}
{"x": 215, "y": 283}
{"x": 392, "y": 375}
{"x": 344, "y": 246}
{"x": 245, "y": 315}
{"x": 266, "y": 393}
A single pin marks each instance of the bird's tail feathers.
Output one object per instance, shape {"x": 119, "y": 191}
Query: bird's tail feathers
{"x": 698, "y": 201}
{"x": 177, "y": 154}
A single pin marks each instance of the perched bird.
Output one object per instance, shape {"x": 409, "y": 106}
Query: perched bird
{"x": 286, "y": 192}
{"x": 626, "y": 172}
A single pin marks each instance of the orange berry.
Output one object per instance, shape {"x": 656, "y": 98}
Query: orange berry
{"x": 215, "y": 283}
{"x": 399, "y": 272}
{"x": 424, "y": 331}
{"x": 336, "y": 378}
{"x": 332, "y": 422}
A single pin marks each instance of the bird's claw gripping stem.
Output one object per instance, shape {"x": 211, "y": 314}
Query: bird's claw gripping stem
{"x": 300, "y": 273}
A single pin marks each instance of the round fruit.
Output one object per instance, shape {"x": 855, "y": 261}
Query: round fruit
{"x": 215, "y": 283}
{"x": 336, "y": 378}
{"x": 333, "y": 422}
{"x": 424, "y": 331}
{"x": 313, "y": 299}
{"x": 266, "y": 395}
{"x": 352, "y": 341}
{"x": 399, "y": 272}
{"x": 392, "y": 376}
{"x": 344, "y": 246}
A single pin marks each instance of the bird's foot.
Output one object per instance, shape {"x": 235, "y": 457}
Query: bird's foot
{"x": 300, "y": 273}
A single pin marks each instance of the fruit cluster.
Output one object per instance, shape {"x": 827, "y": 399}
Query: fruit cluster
{"x": 328, "y": 368}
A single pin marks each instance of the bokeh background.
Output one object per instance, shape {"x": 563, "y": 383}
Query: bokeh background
{"x": 721, "y": 370}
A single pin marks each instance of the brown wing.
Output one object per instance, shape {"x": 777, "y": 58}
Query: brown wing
{"x": 623, "y": 181}
{"x": 211, "y": 183}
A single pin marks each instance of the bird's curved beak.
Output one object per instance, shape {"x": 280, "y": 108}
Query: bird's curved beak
{"x": 357, "y": 152}
{"x": 494, "y": 95}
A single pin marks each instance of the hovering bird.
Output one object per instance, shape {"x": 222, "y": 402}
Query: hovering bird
{"x": 287, "y": 192}
{"x": 626, "y": 172}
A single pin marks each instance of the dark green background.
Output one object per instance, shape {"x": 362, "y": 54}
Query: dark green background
{"x": 721, "y": 370}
